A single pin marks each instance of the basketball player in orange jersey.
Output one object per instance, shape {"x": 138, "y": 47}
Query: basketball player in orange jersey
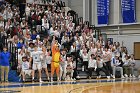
{"x": 56, "y": 58}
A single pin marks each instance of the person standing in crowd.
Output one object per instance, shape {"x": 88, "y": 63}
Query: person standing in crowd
{"x": 4, "y": 64}
{"x": 100, "y": 67}
{"x": 69, "y": 68}
{"x": 85, "y": 58}
{"x": 45, "y": 55}
{"x": 36, "y": 57}
{"x": 21, "y": 54}
{"x": 73, "y": 49}
{"x": 107, "y": 61}
{"x": 25, "y": 68}
{"x": 80, "y": 40}
{"x": 56, "y": 58}
{"x": 92, "y": 65}
{"x": 63, "y": 65}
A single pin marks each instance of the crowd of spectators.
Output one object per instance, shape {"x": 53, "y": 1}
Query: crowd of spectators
{"x": 42, "y": 25}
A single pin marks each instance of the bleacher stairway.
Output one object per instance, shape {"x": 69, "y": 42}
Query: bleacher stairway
{"x": 13, "y": 76}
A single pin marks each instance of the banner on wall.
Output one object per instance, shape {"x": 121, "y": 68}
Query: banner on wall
{"x": 128, "y": 11}
{"x": 103, "y": 11}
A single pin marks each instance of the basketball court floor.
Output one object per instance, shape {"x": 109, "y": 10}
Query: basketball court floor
{"x": 80, "y": 86}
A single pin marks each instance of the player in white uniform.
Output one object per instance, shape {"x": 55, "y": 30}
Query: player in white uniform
{"x": 63, "y": 65}
{"x": 36, "y": 56}
{"x": 25, "y": 68}
{"x": 69, "y": 68}
{"x": 45, "y": 55}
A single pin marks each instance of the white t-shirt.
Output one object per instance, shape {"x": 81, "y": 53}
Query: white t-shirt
{"x": 25, "y": 65}
{"x": 63, "y": 60}
{"x": 126, "y": 62}
{"x": 45, "y": 23}
{"x": 56, "y": 33}
{"x": 10, "y": 15}
{"x": 20, "y": 59}
{"x": 69, "y": 66}
{"x": 73, "y": 49}
{"x": 27, "y": 11}
{"x": 36, "y": 55}
{"x": 107, "y": 56}
{"x": 100, "y": 63}
{"x": 85, "y": 57}
{"x": 1, "y": 22}
{"x": 78, "y": 45}
{"x": 30, "y": 49}
{"x": 39, "y": 48}
{"x": 132, "y": 61}
{"x": 92, "y": 63}
{"x": 46, "y": 58}
{"x": 70, "y": 26}
{"x": 93, "y": 50}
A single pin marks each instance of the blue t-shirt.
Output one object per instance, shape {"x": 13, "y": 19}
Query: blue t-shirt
{"x": 4, "y": 58}
{"x": 20, "y": 45}
{"x": 33, "y": 37}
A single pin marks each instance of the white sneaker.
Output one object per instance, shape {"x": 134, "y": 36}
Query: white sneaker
{"x": 100, "y": 76}
{"x": 130, "y": 76}
{"x": 51, "y": 79}
{"x": 82, "y": 68}
{"x": 40, "y": 81}
{"x": 133, "y": 76}
{"x": 139, "y": 76}
{"x": 68, "y": 78}
{"x": 122, "y": 77}
{"x": 48, "y": 78}
{"x": 126, "y": 76}
{"x": 64, "y": 79}
{"x": 113, "y": 76}
{"x": 58, "y": 79}
{"x": 71, "y": 79}
{"x": 89, "y": 77}
{"x": 78, "y": 77}
{"x": 74, "y": 79}
{"x": 23, "y": 80}
{"x": 108, "y": 77}
{"x": 97, "y": 77}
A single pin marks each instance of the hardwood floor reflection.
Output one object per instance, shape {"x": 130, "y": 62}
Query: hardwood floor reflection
{"x": 122, "y": 87}
{"x": 94, "y": 86}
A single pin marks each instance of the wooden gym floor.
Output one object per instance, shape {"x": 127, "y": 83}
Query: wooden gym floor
{"x": 81, "y": 86}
